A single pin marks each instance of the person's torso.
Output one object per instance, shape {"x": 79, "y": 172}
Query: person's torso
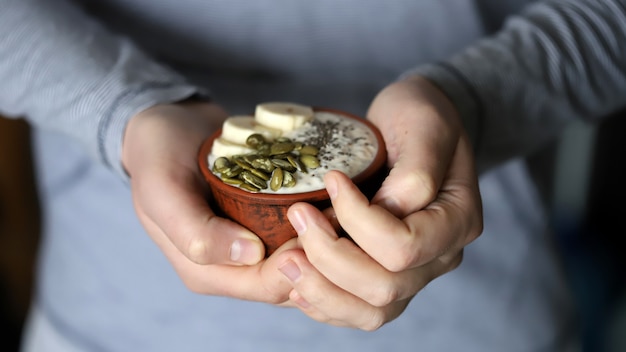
{"x": 323, "y": 52}
{"x": 105, "y": 286}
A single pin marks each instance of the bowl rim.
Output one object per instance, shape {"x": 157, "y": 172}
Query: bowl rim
{"x": 316, "y": 195}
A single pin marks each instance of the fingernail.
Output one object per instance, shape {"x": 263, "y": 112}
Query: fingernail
{"x": 290, "y": 270}
{"x": 298, "y": 221}
{"x": 245, "y": 251}
{"x": 331, "y": 187}
{"x": 299, "y": 300}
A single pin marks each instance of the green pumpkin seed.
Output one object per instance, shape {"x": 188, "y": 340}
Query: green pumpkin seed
{"x": 239, "y": 160}
{"x": 232, "y": 172}
{"x": 309, "y": 150}
{"x": 293, "y": 160}
{"x": 288, "y": 179}
{"x": 254, "y": 140}
{"x": 281, "y": 156}
{"x": 263, "y": 163}
{"x": 310, "y": 161}
{"x": 232, "y": 181}
{"x": 254, "y": 180}
{"x": 276, "y": 182}
{"x": 220, "y": 164}
{"x": 264, "y": 149}
{"x": 260, "y": 174}
{"x": 249, "y": 187}
{"x": 283, "y": 164}
{"x": 281, "y": 148}
{"x": 251, "y": 157}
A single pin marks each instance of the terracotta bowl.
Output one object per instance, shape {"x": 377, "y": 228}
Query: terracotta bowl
{"x": 266, "y": 214}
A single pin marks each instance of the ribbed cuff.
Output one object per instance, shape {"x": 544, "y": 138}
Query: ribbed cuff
{"x": 113, "y": 125}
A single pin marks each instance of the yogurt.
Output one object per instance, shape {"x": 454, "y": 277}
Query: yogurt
{"x": 344, "y": 144}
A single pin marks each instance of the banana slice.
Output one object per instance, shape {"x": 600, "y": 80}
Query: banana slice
{"x": 224, "y": 147}
{"x": 283, "y": 116}
{"x": 237, "y": 129}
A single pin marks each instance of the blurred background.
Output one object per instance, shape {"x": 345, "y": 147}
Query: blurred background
{"x": 19, "y": 229}
{"x": 588, "y": 202}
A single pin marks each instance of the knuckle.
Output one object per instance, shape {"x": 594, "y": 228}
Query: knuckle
{"x": 456, "y": 262}
{"x": 197, "y": 247}
{"x": 384, "y": 296}
{"x": 477, "y": 230}
{"x": 273, "y": 296}
{"x": 412, "y": 188}
{"x": 403, "y": 258}
{"x": 197, "y": 250}
{"x": 450, "y": 263}
{"x": 374, "y": 322}
{"x": 422, "y": 181}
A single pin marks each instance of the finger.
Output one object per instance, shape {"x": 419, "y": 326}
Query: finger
{"x": 174, "y": 202}
{"x": 343, "y": 263}
{"x": 382, "y": 236}
{"x": 420, "y": 142}
{"x": 329, "y": 213}
{"x": 420, "y": 167}
{"x": 325, "y": 302}
{"x": 261, "y": 282}
{"x": 321, "y": 300}
{"x": 448, "y": 223}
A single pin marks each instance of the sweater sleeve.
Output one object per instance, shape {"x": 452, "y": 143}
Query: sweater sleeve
{"x": 554, "y": 62}
{"x": 64, "y": 71}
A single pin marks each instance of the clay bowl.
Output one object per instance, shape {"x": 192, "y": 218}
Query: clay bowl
{"x": 266, "y": 214}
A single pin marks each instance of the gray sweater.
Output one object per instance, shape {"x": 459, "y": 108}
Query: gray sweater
{"x": 81, "y": 69}
{"x": 65, "y": 70}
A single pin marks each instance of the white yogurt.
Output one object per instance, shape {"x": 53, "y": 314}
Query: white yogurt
{"x": 344, "y": 144}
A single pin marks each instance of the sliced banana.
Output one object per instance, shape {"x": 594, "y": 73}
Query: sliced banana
{"x": 224, "y": 147}
{"x": 237, "y": 129}
{"x": 283, "y": 116}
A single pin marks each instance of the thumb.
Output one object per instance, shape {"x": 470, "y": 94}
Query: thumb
{"x": 175, "y": 206}
{"x": 421, "y": 130}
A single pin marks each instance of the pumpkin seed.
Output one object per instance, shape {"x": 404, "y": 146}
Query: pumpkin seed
{"x": 281, "y": 156}
{"x": 293, "y": 160}
{"x": 310, "y": 161}
{"x": 276, "y": 182}
{"x": 222, "y": 163}
{"x": 232, "y": 181}
{"x": 288, "y": 179}
{"x": 250, "y": 157}
{"x": 233, "y": 171}
{"x": 263, "y": 163}
{"x": 256, "y": 139}
{"x": 281, "y": 148}
{"x": 260, "y": 174}
{"x": 283, "y": 164}
{"x": 254, "y": 180}
{"x": 309, "y": 150}
{"x": 249, "y": 187}
{"x": 264, "y": 149}
{"x": 239, "y": 160}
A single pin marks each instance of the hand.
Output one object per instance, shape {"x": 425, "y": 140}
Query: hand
{"x": 413, "y": 230}
{"x": 212, "y": 255}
